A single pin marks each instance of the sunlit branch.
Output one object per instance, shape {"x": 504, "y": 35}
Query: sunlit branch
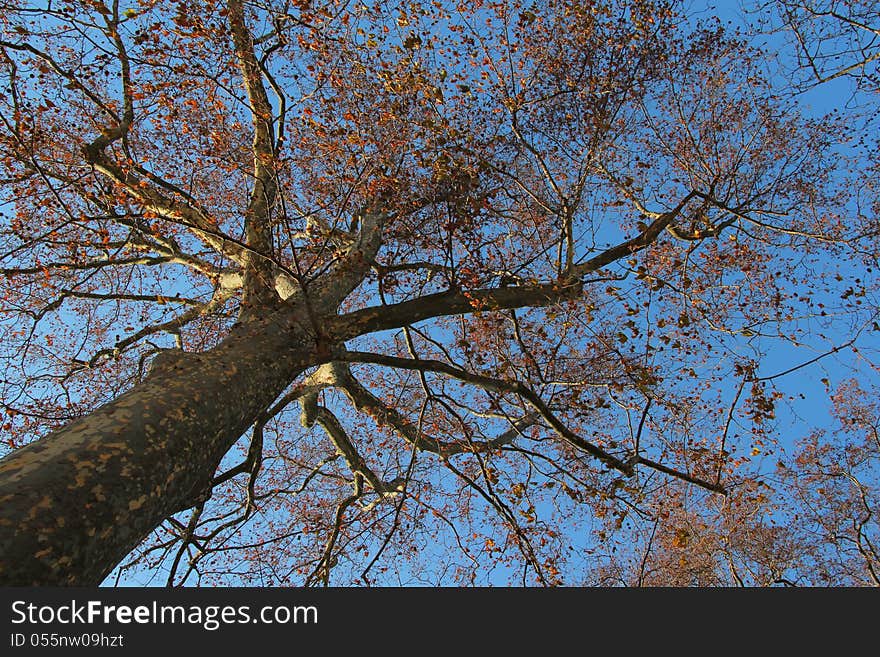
{"x": 367, "y": 402}
{"x": 180, "y": 212}
{"x": 521, "y": 390}
{"x": 259, "y": 286}
{"x": 740, "y": 213}
{"x": 495, "y": 385}
{"x": 337, "y": 434}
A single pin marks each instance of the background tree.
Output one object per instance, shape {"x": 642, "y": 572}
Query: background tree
{"x": 419, "y": 292}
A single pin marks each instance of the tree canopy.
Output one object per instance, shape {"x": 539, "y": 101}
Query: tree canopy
{"x": 409, "y": 292}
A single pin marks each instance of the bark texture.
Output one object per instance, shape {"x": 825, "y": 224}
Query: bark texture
{"x": 75, "y": 503}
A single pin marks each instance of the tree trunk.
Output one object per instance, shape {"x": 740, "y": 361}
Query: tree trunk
{"x": 74, "y": 503}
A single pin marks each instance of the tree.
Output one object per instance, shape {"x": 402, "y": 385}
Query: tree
{"x": 812, "y": 522}
{"x": 297, "y": 291}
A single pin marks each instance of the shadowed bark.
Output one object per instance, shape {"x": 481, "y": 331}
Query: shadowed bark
{"x": 76, "y": 502}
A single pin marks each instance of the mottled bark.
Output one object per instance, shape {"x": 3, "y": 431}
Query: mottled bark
{"x": 74, "y": 503}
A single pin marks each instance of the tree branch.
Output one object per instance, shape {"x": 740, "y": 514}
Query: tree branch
{"x": 368, "y": 403}
{"x": 259, "y": 288}
{"x": 453, "y": 302}
{"x": 496, "y": 385}
{"x": 335, "y": 431}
